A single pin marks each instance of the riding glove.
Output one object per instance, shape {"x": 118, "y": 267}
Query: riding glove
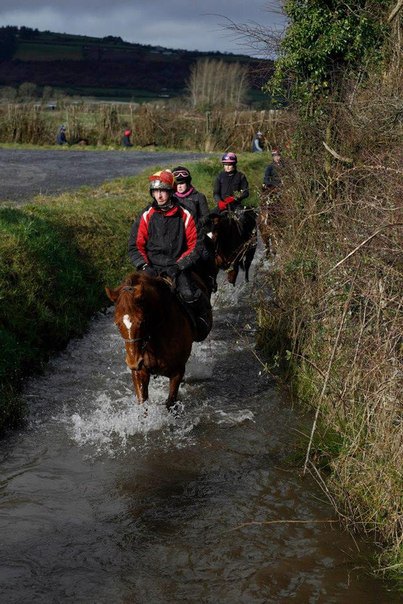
{"x": 172, "y": 271}
{"x": 149, "y": 270}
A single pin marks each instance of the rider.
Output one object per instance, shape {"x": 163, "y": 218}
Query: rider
{"x": 231, "y": 186}
{"x": 196, "y": 203}
{"x": 164, "y": 241}
{"x": 272, "y": 176}
{"x": 230, "y": 189}
{"x": 189, "y": 197}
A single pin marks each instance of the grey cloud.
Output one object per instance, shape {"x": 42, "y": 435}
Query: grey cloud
{"x": 183, "y": 24}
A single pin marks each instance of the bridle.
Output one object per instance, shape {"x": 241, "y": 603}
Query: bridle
{"x": 144, "y": 339}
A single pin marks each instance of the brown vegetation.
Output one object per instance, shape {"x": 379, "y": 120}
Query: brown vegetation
{"x": 152, "y": 124}
{"x": 336, "y": 319}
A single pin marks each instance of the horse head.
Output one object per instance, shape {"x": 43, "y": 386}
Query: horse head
{"x": 157, "y": 332}
{"x": 234, "y": 242}
{"x": 227, "y": 239}
{"x": 131, "y": 319}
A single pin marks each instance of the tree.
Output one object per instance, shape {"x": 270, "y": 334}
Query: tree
{"x": 27, "y": 90}
{"x": 8, "y": 42}
{"x": 217, "y": 83}
{"x": 324, "y": 43}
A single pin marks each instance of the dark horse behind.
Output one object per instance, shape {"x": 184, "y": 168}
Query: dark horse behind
{"x": 234, "y": 238}
{"x": 157, "y": 330}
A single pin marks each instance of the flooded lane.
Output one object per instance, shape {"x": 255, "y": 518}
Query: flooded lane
{"x": 102, "y": 503}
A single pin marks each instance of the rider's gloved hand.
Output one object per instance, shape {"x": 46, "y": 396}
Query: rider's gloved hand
{"x": 149, "y": 270}
{"x": 172, "y": 271}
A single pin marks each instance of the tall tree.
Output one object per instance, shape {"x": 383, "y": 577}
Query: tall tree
{"x": 216, "y": 83}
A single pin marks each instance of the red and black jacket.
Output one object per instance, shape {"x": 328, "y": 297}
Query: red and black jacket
{"x": 162, "y": 239}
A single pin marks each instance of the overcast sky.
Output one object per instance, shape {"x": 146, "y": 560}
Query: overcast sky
{"x": 185, "y": 24}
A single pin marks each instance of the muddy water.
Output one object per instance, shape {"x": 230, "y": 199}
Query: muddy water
{"x": 100, "y": 503}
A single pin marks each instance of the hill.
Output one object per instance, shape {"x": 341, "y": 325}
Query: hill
{"x": 105, "y": 67}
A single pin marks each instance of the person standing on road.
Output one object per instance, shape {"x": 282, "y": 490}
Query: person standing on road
{"x": 61, "y": 136}
{"x": 126, "y": 142}
{"x": 257, "y": 143}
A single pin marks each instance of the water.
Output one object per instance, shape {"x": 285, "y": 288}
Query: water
{"x": 102, "y": 502}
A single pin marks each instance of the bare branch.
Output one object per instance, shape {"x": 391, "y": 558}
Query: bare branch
{"x": 395, "y": 10}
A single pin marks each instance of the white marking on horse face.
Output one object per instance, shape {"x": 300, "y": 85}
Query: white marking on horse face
{"x": 127, "y": 322}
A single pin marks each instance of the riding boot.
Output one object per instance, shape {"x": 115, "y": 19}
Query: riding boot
{"x": 200, "y": 308}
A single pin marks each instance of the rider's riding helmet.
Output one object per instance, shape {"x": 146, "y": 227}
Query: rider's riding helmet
{"x": 229, "y": 159}
{"x": 182, "y": 175}
{"x": 162, "y": 180}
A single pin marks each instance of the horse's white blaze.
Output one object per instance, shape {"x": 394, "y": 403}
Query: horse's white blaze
{"x": 127, "y": 322}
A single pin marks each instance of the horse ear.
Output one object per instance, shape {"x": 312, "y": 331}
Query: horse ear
{"x": 112, "y": 294}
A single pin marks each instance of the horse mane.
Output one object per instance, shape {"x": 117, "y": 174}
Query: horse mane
{"x": 141, "y": 291}
{"x": 228, "y": 232}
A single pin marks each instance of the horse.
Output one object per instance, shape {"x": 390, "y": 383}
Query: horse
{"x": 157, "y": 330}
{"x": 234, "y": 238}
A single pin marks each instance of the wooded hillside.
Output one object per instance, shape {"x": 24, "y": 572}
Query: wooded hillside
{"x": 102, "y": 66}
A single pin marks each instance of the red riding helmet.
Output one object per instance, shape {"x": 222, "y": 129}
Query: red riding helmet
{"x": 229, "y": 158}
{"x": 163, "y": 180}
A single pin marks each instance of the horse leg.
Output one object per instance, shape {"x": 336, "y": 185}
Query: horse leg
{"x": 174, "y": 383}
{"x": 250, "y": 254}
{"x": 232, "y": 274}
{"x": 141, "y": 379}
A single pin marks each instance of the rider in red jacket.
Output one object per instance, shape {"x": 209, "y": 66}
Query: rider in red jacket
{"x": 164, "y": 240}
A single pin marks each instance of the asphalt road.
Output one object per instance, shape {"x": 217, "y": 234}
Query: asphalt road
{"x": 26, "y": 173}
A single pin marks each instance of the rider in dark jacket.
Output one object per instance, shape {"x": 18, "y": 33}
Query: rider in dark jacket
{"x": 189, "y": 197}
{"x": 231, "y": 187}
{"x": 272, "y": 175}
{"x": 164, "y": 240}
{"x": 196, "y": 203}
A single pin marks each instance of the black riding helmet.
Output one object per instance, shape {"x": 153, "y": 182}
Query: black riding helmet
{"x": 182, "y": 174}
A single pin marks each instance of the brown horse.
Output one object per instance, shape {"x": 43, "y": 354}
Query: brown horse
{"x": 234, "y": 238}
{"x": 157, "y": 331}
